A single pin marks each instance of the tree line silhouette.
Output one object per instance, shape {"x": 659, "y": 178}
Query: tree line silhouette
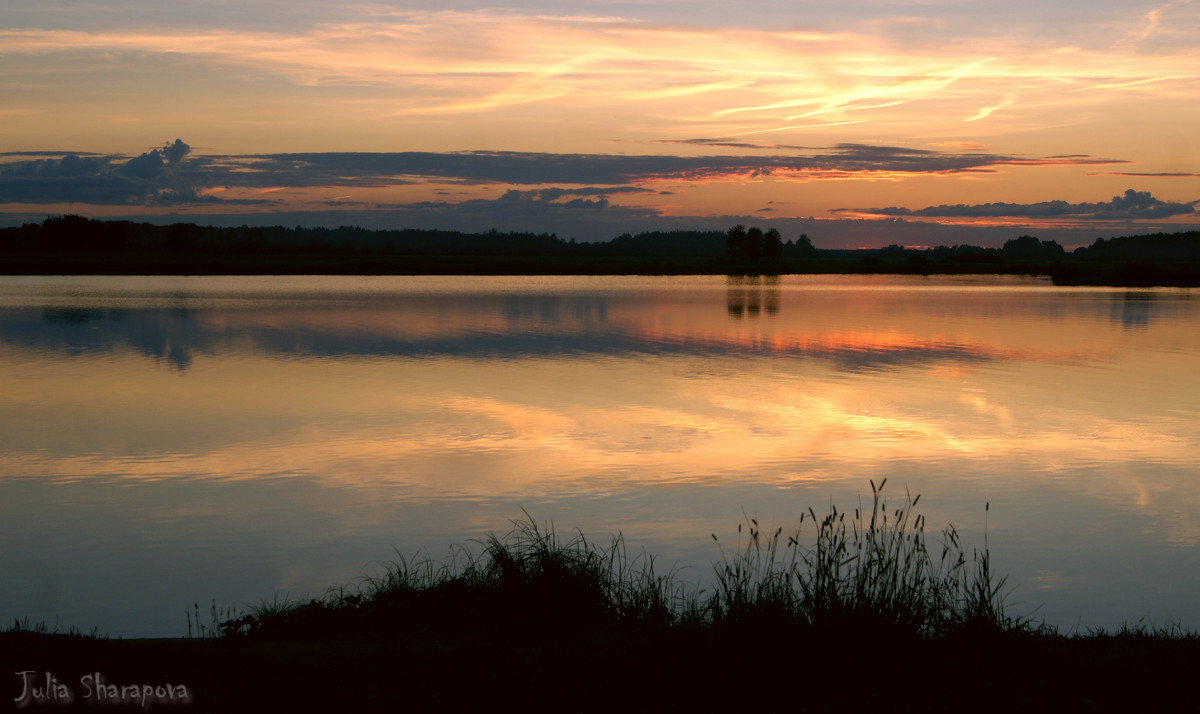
{"x": 74, "y": 234}
{"x": 1173, "y": 257}
{"x": 753, "y": 245}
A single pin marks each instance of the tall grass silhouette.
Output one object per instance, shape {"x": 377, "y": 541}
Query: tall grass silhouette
{"x": 874, "y": 569}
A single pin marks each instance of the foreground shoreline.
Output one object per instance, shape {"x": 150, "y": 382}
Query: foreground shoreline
{"x": 866, "y": 619}
{"x": 764, "y": 669}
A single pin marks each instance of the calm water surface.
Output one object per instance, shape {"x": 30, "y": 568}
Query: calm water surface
{"x": 170, "y": 441}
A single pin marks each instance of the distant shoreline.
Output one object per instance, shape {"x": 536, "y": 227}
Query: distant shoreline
{"x": 324, "y": 264}
{"x": 74, "y": 245}
{"x": 1115, "y": 273}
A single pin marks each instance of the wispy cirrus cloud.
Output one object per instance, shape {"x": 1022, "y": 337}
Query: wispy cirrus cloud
{"x": 987, "y": 111}
{"x": 1149, "y": 174}
{"x": 1151, "y": 23}
{"x": 732, "y": 144}
{"x": 959, "y": 144}
{"x": 426, "y": 63}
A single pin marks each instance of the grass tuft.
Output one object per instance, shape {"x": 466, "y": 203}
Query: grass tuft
{"x": 1142, "y": 630}
{"x": 25, "y": 626}
{"x": 869, "y": 571}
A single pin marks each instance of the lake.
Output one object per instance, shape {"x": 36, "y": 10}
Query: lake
{"x": 176, "y": 441}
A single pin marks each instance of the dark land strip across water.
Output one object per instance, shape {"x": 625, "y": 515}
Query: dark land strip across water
{"x": 73, "y": 245}
{"x": 1119, "y": 274}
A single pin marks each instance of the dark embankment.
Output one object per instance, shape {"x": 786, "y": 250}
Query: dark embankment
{"x": 1128, "y": 274}
{"x": 510, "y": 667}
{"x": 862, "y": 618}
{"x": 323, "y": 264}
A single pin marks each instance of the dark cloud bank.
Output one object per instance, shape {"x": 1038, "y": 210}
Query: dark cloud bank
{"x": 156, "y": 177}
{"x": 573, "y": 198}
{"x": 172, "y": 175}
{"x": 531, "y": 168}
{"x": 1133, "y": 205}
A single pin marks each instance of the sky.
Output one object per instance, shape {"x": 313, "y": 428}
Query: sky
{"x": 860, "y": 123}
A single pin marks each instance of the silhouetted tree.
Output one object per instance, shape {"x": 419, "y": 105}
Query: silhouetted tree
{"x": 1030, "y": 248}
{"x": 67, "y": 234}
{"x": 772, "y": 245}
{"x": 1169, "y": 247}
{"x": 735, "y": 241}
{"x": 803, "y": 248}
{"x": 754, "y": 244}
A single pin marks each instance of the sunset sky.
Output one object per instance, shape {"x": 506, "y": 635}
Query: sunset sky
{"x": 940, "y": 122}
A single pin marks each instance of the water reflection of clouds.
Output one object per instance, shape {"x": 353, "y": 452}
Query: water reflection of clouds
{"x": 738, "y": 435}
{"x": 630, "y": 421}
{"x": 170, "y": 335}
{"x": 666, "y": 412}
{"x": 941, "y": 407}
{"x": 531, "y": 326}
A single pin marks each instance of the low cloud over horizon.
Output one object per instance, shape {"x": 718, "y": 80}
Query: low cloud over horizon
{"x": 154, "y": 177}
{"x": 1132, "y": 205}
{"x": 160, "y": 176}
{"x": 588, "y": 196}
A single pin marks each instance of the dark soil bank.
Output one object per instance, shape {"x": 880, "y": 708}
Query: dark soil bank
{"x": 674, "y": 669}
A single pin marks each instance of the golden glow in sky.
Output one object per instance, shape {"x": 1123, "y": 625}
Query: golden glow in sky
{"x": 781, "y": 112}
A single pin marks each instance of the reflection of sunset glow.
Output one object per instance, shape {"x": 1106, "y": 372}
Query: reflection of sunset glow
{"x": 948, "y": 394}
{"x": 836, "y": 343}
{"x": 374, "y": 409}
{"x": 509, "y": 436}
{"x": 778, "y": 318}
